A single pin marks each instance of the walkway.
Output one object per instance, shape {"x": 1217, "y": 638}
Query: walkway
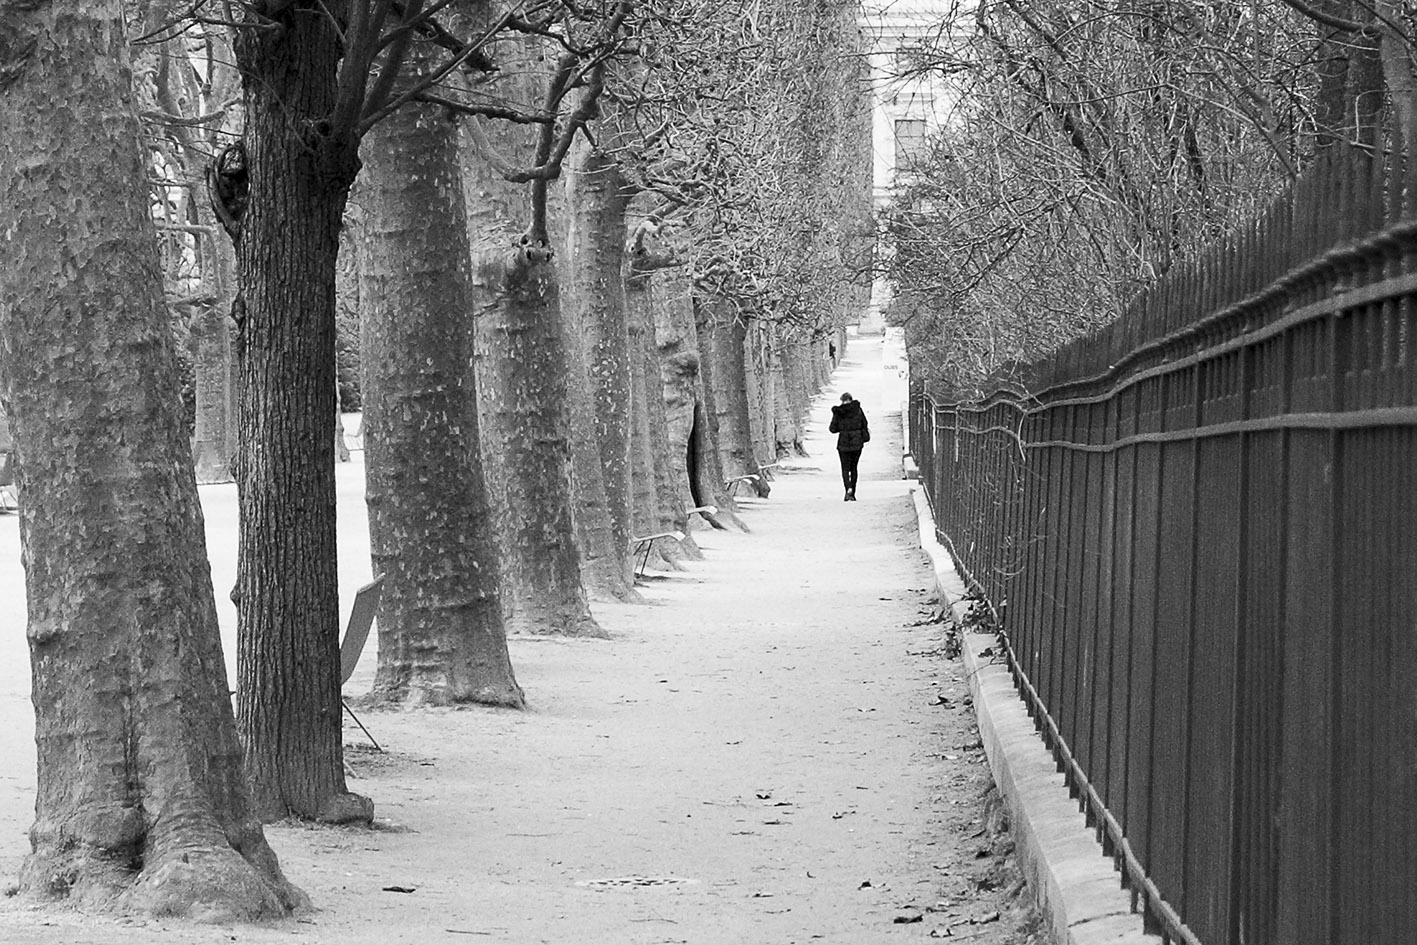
{"x": 772, "y": 751}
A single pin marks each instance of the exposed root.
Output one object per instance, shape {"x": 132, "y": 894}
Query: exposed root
{"x": 200, "y": 883}
{"x": 346, "y": 808}
{"x": 544, "y": 624}
{"x": 208, "y": 885}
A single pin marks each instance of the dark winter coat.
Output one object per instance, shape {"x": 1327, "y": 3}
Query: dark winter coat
{"x": 849, "y": 423}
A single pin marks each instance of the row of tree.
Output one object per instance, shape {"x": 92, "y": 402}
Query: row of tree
{"x": 597, "y": 253}
{"x": 1093, "y": 145}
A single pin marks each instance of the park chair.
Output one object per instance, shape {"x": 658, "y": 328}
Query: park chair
{"x": 731, "y": 485}
{"x": 644, "y": 545}
{"x": 356, "y": 633}
{"x": 9, "y": 499}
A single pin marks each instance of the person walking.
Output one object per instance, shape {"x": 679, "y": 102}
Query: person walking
{"x": 849, "y": 424}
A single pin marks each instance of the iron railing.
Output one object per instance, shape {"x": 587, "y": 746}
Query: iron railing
{"x": 1198, "y": 531}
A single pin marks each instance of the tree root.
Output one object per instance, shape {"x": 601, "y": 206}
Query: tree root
{"x": 200, "y": 883}
{"x": 346, "y": 808}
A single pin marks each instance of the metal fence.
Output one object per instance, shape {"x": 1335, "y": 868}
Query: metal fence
{"x": 1198, "y": 532}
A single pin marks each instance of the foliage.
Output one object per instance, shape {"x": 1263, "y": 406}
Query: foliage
{"x": 1091, "y": 146}
{"x": 751, "y": 117}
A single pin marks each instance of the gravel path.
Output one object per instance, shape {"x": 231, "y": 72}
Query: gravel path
{"x": 775, "y": 749}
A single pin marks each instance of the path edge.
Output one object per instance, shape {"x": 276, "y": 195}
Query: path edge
{"x": 1076, "y": 888}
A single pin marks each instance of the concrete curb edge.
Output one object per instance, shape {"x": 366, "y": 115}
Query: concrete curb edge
{"x": 1074, "y": 883}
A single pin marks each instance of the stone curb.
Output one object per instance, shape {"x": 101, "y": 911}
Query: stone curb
{"x": 1078, "y": 892}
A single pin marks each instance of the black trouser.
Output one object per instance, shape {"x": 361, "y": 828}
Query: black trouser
{"x": 849, "y": 459}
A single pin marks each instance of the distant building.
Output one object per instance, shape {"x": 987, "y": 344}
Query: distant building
{"x": 912, "y": 101}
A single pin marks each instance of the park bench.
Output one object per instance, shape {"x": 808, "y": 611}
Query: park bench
{"x": 356, "y": 633}
{"x": 644, "y": 545}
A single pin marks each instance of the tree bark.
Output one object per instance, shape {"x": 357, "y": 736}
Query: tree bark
{"x": 663, "y": 461}
{"x": 687, "y": 414}
{"x": 441, "y": 633}
{"x": 165, "y": 83}
{"x": 603, "y": 561}
{"x": 1399, "y": 69}
{"x": 645, "y": 510}
{"x": 759, "y": 383}
{"x": 298, "y": 173}
{"x": 721, "y": 338}
{"x": 142, "y": 802}
{"x": 214, "y": 441}
{"x": 522, "y": 397}
{"x": 599, "y": 198}
{"x": 794, "y": 388}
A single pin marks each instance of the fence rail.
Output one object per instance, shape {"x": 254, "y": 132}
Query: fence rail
{"x": 1198, "y": 531}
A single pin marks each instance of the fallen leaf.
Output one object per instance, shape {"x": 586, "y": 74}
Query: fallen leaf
{"x": 865, "y": 884}
{"x": 400, "y": 889}
{"x": 991, "y": 917}
{"x": 907, "y": 919}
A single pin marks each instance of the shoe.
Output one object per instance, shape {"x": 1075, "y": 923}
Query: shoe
{"x": 846, "y": 498}
{"x": 851, "y": 496}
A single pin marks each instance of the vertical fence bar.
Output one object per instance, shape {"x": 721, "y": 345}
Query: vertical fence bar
{"x": 1204, "y": 541}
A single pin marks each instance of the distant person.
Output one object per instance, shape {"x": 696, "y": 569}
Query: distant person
{"x": 849, "y": 424}
{"x": 831, "y": 352}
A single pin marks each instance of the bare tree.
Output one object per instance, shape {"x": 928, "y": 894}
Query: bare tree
{"x": 522, "y": 351}
{"x": 441, "y": 633}
{"x": 1085, "y": 157}
{"x": 142, "y": 801}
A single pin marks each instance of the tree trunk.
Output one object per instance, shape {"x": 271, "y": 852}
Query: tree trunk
{"x": 214, "y": 442}
{"x": 790, "y": 381}
{"x": 141, "y": 793}
{"x": 689, "y": 434}
{"x": 287, "y": 598}
{"x": 721, "y": 336}
{"x": 599, "y": 197}
{"x": 1399, "y": 63}
{"x": 758, "y": 381}
{"x": 645, "y": 506}
{"x": 605, "y": 562}
{"x": 522, "y": 397}
{"x": 341, "y": 445}
{"x": 664, "y": 463}
{"x": 166, "y": 86}
{"x": 441, "y": 633}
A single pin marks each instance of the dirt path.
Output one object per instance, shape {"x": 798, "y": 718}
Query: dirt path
{"x": 758, "y": 756}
